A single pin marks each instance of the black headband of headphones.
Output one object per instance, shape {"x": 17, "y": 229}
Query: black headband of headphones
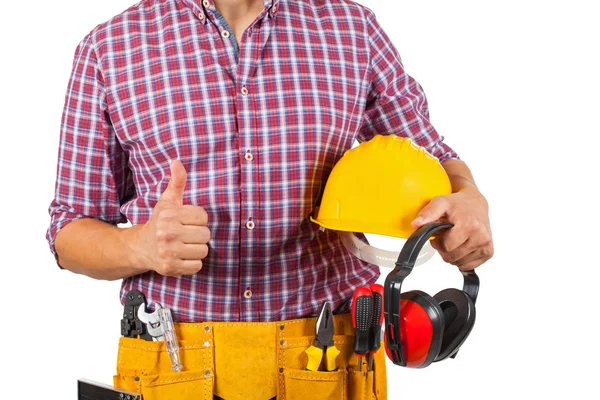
{"x": 393, "y": 285}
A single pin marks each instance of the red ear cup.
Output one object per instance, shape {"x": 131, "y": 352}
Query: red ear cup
{"x": 421, "y": 328}
{"x": 459, "y": 317}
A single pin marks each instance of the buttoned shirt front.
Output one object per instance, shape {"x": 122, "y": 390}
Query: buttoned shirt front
{"x": 258, "y": 129}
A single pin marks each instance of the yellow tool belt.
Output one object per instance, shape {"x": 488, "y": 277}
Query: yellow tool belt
{"x": 247, "y": 360}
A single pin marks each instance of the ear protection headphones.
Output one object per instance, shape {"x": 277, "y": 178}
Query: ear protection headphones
{"x": 420, "y": 329}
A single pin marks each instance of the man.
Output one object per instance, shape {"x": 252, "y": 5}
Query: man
{"x": 212, "y": 126}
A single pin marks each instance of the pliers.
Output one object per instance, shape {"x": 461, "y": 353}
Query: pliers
{"x": 323, "y": 342}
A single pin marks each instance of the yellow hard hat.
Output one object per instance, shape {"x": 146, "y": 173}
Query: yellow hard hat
{"x": 380, "y": 187}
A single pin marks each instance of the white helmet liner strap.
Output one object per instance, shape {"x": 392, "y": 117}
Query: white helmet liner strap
{"x": 382, "y": 258}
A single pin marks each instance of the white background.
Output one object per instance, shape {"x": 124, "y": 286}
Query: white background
{"x": 512, "y": 85}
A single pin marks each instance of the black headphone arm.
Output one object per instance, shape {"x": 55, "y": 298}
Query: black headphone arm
{"x": 393, "y": 285}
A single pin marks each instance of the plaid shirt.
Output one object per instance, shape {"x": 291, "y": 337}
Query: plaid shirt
{"x": 258, "y": 130}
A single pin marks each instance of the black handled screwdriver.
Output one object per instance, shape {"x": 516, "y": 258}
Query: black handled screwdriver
{"x": 362, "y": 316}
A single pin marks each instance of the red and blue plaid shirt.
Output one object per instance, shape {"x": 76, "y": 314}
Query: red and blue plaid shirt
{"x": 258, "y": 130}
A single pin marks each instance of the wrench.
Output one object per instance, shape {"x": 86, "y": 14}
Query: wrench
{"x": 152, "y": 321}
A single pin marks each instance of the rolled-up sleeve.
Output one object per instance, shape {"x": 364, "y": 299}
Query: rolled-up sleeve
{"x": 396, "y": 103}
{"x": 92, "y": 176}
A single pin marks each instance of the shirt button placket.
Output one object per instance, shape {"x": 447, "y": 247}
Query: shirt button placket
{"x": 249, "y": 193}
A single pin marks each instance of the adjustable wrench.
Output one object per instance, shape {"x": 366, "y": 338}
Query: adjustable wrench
{"x": 152, "y": 321}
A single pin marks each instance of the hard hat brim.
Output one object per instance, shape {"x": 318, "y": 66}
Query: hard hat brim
{"x": 363, "y": 227}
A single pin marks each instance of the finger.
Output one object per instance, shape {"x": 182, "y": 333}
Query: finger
{"x": 176, "y": 186}
{"x": 458, "y": 253}
{"x": 190, "y": 267}
{"x": 194, "y": 234}
{"x": 472, "y": 264}
{"x": 180, "y": 267}
{"x": 193, "y": 215}
{"x": 480, "y": 255}
{"x": 433, "y": 211}
{"x": 187, "y": 251}
{"x": 477, "y": 256}
{"x": 472, "y": 255}
{"x": 450, "y": 240}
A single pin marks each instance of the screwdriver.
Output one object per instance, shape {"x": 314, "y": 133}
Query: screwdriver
{"x": 362, "y": 316}
{"x": 170, "y": 338}
{"x": 375, "y": 330}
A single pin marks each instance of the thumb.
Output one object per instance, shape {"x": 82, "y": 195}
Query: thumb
{"x": 431, "y": 212}
{"x": 174, "y": 191}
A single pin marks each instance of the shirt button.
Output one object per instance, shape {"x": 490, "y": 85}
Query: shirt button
{"x": 273, "y": 11}
{"x": 250, "y": 225}
{"x": 249, "y": 156}
{"x": 201, "y": 16}
{"x": 244, "y": 91}
{"x": 206, "y": 3}
{"x": 248, "y": 294}
{"x": 225, "y": 34}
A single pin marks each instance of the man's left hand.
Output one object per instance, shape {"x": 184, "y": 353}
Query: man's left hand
{"x": 469, "y": 243}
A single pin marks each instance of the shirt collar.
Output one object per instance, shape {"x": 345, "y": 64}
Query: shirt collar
{"x": 201, "y": 7}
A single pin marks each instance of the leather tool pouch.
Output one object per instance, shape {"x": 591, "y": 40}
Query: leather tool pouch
{"x": 250, "y": 361}
{"x": 346, "y": 383}
{"x": 145, "y": 367}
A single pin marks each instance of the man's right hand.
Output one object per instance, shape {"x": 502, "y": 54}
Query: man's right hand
{"x": 174, "y": 241}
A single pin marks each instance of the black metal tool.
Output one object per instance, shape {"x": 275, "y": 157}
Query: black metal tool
{"x": 88, "y": 390}
{"x": 131, "y": 325}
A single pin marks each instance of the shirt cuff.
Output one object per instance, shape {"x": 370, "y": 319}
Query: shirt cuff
{"x": 443, "y": 152}
{"x": 59, "y": 220}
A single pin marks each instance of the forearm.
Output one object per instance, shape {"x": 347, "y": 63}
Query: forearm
{"x": 460, "y": 175}
{"x": 97, "y": 249}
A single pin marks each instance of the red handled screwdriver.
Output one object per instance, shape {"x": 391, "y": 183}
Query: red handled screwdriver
{"x": 375, "y": 329}
{"x": 362, "y": 316}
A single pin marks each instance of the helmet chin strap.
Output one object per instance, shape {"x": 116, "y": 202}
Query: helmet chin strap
{"x": 382, "y": 258}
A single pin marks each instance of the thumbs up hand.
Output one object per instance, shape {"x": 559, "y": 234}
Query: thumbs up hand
{"x": 174, "y": 241}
